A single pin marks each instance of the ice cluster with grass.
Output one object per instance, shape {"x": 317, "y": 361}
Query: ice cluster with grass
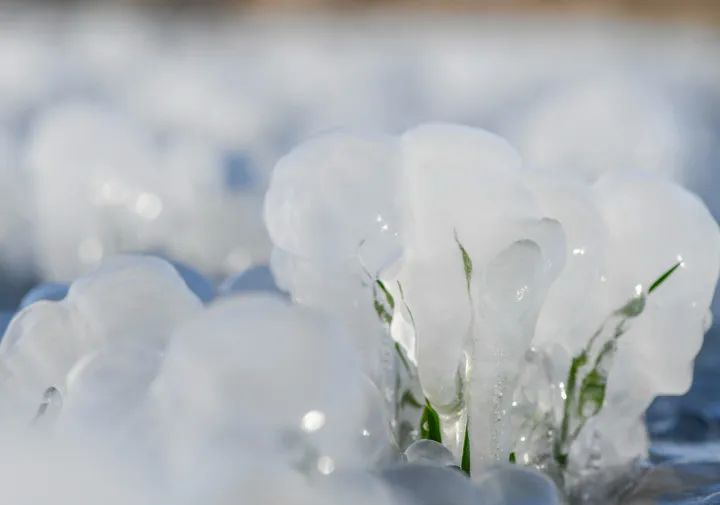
{"x": 455, "y": 322}
{"x": 130, "y": 390}
{"x": 541, "y": 314}
{"x": 461, "y": 327}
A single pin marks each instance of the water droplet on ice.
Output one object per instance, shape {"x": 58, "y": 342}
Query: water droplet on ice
{"x": 325, "y": 465}
{"x": 312, "y": 421}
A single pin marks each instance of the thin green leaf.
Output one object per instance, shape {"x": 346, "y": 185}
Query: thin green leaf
{"x": 388, "y": 297}
{"x": 660, "y": 280}
{"x": 560, "y": 448}
{"x": 592, "y": 394}
{"x": 430, "y": 424}
{"x": 465, "y": 459}
{"x": 467, "y": 262}
{"x": 409, "y": 399}
{"x": 383, "y": 309}
{"x": 382, "y": 312}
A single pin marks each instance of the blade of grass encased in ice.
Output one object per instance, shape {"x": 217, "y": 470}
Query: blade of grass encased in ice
{"x": 430, "y": 424}
{"x": 467, "y": 262}
{"x": 465, "y": 459}
{"x": 660, "y": 280}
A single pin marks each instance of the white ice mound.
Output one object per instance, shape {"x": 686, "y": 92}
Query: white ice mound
{"x": 492, "y": 275}
{"x": 132, "y": 367}
{"x": 320, "y": 234}
{"x": 130, "y": 304}
{"x": 651, "y": 224}
{"x": 253, "y": 377}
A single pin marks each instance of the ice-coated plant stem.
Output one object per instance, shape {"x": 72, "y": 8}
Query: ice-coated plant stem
{"x": 583, "y": 403}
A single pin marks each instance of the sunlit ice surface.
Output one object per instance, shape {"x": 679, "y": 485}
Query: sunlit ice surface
{"x": 125, "y": 132}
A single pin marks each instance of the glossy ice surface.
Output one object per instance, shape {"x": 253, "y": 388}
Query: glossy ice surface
{"x": 487, "y": 260}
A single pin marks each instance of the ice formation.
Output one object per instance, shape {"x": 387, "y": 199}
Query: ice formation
{"x": 117, "y": 391}
{"x": 492, "y": 276}
{"x": 270, "y": 396}
{"x": 124, "y": 311}
{"x": 144, "y": 382}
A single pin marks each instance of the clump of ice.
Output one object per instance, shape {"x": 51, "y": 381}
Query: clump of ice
{"x": 255, "y": 375}
{"x": 129, "y": 305}
{"x": 131, "y": 367}
{"x": 320, "y": 236}
{"x": 485, "y": 259}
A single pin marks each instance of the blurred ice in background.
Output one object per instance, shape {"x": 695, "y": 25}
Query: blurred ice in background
{"x": 128, "y": 129}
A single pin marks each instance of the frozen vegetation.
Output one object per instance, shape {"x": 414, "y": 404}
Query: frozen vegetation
{"x": 462, "y": 329}
{"x": 436, "y": 316}
{"x": 521, "y": 302}
{"x": 249, "y": 398}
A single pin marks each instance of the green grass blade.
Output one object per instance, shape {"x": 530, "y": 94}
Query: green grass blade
{"x": 465, "y": 460}
{"x": 388, "y": 297}
{"x": 382, "y": 313}
{"x": 430, "y": 424}
{"x": 384, "y": 310}
{"x": 592, "y": 394}
{"x": 660, "y": 280}
{"x": 467, "y": 262}
{"x": 559, "y": 450}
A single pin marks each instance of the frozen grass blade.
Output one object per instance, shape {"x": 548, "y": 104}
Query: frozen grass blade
{"x": 581, "y": 404}
{"x": 465, "y": 460}
{"x": 430, "y": 424}
{"x": 388, "y": 297}
{"x": 660, "y": 280}
{"x": 467, "y": 262}
{"x": 383, "y": 308}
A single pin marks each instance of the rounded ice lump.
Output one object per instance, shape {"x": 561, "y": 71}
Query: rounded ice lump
{"x": 128, "y": 302}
